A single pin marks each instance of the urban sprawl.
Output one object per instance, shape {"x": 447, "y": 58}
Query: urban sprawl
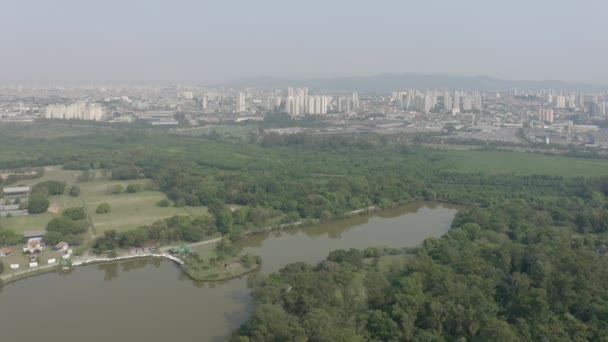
{"x": 509, "y": 116}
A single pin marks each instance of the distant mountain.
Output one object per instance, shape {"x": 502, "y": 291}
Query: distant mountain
{"x": 391, "y": 82}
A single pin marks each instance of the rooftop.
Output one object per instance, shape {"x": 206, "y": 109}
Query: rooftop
{"x": 16, "y": 190}
{"x": 33, "y": 233}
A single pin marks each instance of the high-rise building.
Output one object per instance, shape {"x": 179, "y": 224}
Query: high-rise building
{"x": 456, "y": 105}
{"x": 240, "y": 102}
{"x": 545, "y": 115}
{"x": 447, "y": 101}
{"x": 271, "y": 103}
{"x": 344, "y": 104}
{"x": 594, "y": 109}
{"x": 560, "y": 101}
{"x": 74, "y": 111}
{"x": 467, "y": 103}
{"x": 581, "y": 99}
{"x": 355, "y": 101}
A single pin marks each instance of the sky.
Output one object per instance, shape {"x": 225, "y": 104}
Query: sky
{"x": 203, "y": 42}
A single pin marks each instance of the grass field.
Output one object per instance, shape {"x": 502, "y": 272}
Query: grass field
{"x": 128, "y": 210}
{"x": 525, "y": 163}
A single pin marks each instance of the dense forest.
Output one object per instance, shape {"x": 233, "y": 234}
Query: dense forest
{"x": 516, "y": 271}
{"x": 526, "y": 262}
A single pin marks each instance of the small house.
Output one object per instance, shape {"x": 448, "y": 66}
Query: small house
{"x": 61, "y": 247}
{"x": 33, "y": 245}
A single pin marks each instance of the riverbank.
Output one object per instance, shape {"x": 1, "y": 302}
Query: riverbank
{"x": 12, "y": 277}
{"x": 207, "y": 310}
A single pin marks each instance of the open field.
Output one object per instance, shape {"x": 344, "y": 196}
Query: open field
{"x": 29, "y": 222}
{"x": 495, "y": 162}
{"x": 128, "y": 210}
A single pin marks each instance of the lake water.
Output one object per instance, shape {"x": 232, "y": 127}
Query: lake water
{"x": 152, "y": 300}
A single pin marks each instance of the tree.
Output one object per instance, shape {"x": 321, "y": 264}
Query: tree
{"x": 65, "y": 226}
{"x": 224, "y": 221}
{"x": 75, "y": 191}
{"x": 9, "y": 237}
{"x": 272, "y": 323}
{"x": 133, "y": 188}
{"x": 319, "y": 325}
{"x": 38, "y": 203}
{"x": 164, "y": 203}
{"x": 103, "y": 208}
{"x": 50, "y": 187}
{"x": 126, "y": 172}
{"x": 75, "y": 214}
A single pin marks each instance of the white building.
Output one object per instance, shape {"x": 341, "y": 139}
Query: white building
{"x": 545, "y": 115}
{"x": 560, "y": 102}
{"x": 240, "y": 102}
{"x": 74, "y": 111}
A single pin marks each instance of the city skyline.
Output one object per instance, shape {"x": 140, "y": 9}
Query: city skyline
{"x": 192, "y": 42}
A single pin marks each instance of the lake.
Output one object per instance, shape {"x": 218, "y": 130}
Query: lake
{"x": 152, "y": 300}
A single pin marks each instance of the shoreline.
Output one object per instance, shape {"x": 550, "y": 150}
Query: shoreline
{"x": 8, "y": 279}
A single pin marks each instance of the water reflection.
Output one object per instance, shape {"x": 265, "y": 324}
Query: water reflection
{"x": 110, "y": 270}
{"x": 145, "y": 290}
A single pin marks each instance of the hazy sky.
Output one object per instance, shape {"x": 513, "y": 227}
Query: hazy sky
{"x": 206, "y": 41}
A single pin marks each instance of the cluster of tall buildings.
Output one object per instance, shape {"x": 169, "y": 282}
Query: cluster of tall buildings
{"x": 565, "y": 100}
{"x": 74, "y": 111}
{"x": 426, "y": 101}
{"x": 546, "y": 115}
{"x": 299, "y": 105}
{"x": 298, "y": 102}
{"x": 598, "y": 108}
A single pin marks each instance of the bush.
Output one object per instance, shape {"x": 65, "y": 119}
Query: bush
{"x": 1, "y": 267}
{"x": 75, "y": 214}
{"x": 114, "y": 189}
{"x": 133, "y": 188}
{"x": 80, "y": 251}
{"x": 164, "y": 203}
{"x": 75, "y": 191}
{"x": 103, "y": 208}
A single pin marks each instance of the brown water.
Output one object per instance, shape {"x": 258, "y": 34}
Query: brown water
{"x": 152, "y": 300}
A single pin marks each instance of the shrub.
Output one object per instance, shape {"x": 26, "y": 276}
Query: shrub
{"x": 103, "y": 208}
{"x": 133, "y": 188}
{"x": 114, "y": 189}
{"x": 75, "y": 191}
{"x": 164, "y": 203}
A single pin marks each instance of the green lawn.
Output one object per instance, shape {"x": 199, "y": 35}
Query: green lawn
{"x": 128, "y": 210}
{"x": 524, "y": 163}
{"x": 29, "y": 222}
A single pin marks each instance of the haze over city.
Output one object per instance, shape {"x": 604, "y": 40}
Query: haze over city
{"x": 204, "y": 42}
